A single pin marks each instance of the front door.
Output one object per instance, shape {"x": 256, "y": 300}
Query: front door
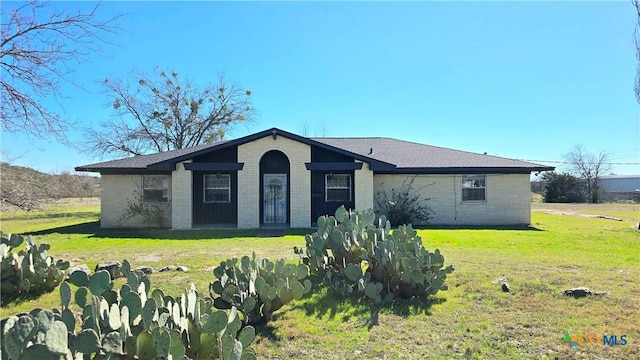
{"x": 274, "y": 206}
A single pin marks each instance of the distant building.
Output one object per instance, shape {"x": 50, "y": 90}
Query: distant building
{"x": 620, "y": 187}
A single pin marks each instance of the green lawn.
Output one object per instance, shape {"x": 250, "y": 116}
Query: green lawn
{"x": 473, "y": 319}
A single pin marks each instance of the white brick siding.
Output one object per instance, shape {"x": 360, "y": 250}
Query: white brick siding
{"x": 116, "y": 192}
{"x": 507, "y": 195}
{"x": 249, "y": 180}
{"x": 364, "y": 188}
{"x": 508, "y": 199}
{"x": 182, "y": 193}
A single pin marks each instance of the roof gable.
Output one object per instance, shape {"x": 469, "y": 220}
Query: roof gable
{"x": 169, "y": 164}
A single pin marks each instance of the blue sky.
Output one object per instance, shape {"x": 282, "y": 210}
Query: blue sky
{"x": 524, "y": 80}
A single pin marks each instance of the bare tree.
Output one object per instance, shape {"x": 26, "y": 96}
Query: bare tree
{"x": 590, "y": 168}
{"x": 24, "y": 188}
{"x": 304, "y": 129}
{"x": 166, "y": 112}
{"x": 40, "y": 48}
{"x": 28, "y": 189}
{"x": 74, "y": 186}
{"x": 636, "y": 38}
{"x": 318, "y": 130}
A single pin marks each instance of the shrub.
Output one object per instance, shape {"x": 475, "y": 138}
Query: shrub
{"x": 258, "y": 287}
{"x": 351, "y": 255}
{"x": 127, "y": 324}
{"x": 30, "y": 271}
{"x": 153, "y": 212}
{"x": 404, "y": 205}
{"x": 562, "y": 188}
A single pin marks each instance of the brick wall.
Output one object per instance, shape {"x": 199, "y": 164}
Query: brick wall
{"x": 114, "y": 198}
{"x": 508, "y": 198}
{"x": 249, "y": 180}
{"x": 364, "y": 188}
{"x": 181, "y": 192}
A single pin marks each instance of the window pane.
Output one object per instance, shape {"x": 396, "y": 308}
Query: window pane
{"x": 154, "y": 195}
{"x": 473, "y": 181}
{"x": 339, "y": 181}
{"x": 217, "y": 188}
{"x": 216, "y": 195}
{"x": 155, "y": 181}
{"x": 155, "y": 187}
{"x": 471, "y": 194}
{"x": 343, "y": 195}
{"x": 215, "y": 181}
{"x": 338, "y": 187}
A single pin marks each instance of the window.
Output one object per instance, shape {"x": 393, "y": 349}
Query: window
{"x": 217, "y": 188}
{"x": 338, "y": 187}
{"x": 474, "y": 187}
{"x": 155, "y": 187}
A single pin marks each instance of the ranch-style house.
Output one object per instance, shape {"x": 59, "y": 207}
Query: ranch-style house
{"x": 274, "y": 178}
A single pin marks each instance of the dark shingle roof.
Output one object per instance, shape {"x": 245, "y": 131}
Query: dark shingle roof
{"x": 389, "y": 155}
{"x": 405, "y": 154}
{"x": 143, "y": 161}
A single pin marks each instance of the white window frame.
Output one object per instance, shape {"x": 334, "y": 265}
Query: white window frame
{"x": 205, "y": 188}
{"x": 469, "y": 181}
{"x": 334, "y": 187}
{"x": 147, "y": 187}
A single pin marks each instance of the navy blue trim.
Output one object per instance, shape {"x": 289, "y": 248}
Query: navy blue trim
{"x": 383, "y": 167}
{"x": 274, "y": 133}
{"x": 213, "y": 166}
{"x": 163, "y": 166}
{"x": 124, "y": 171}
{"x": 333, "y": 166}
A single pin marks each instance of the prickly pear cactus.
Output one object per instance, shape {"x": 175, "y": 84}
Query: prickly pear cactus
{"x": 353, "y": 255}
{"x": 258, "y": 287}
{"x": 127, "y": 323}
{"x": 39, "y": 334}
{"x": 29, "y": 271}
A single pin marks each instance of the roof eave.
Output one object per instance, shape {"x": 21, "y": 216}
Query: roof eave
{"x": 84, "y": 168}
{"x": 466, "y": 170}
{"x": 121, "y": 170}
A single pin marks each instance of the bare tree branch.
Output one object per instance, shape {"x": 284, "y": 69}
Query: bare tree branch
{"x": 24, "y": 189}
{"x": 28, "y": 189}
{"x": 40, "y": 48}
{"x": 590, "y": 168}
{"x": 165, "y": 112}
